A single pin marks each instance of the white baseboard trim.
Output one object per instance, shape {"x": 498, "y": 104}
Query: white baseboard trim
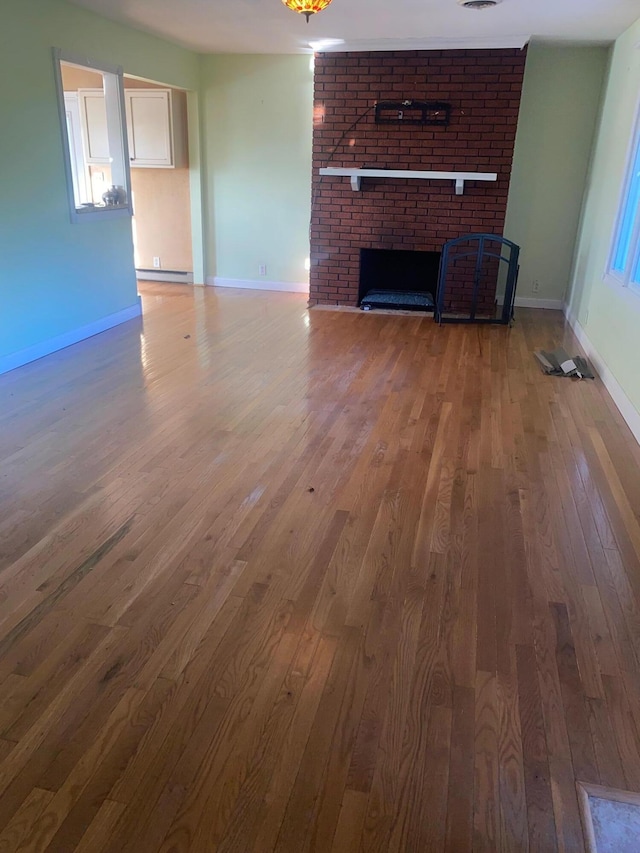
{"x": 169, "y": 275}
{"x": 17, "y": 359}
{"x": 533, "y": 302}
{"x": 254, "y": 284}
{"x": 619, "y": 397}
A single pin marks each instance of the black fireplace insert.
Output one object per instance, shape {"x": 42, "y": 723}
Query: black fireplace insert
{"x": 401, "y": 279}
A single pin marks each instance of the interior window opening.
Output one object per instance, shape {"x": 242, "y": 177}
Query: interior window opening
{"x": 93, "y": 129}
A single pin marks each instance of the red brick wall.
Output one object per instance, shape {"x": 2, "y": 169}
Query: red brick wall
{"x": 483, "y": 88}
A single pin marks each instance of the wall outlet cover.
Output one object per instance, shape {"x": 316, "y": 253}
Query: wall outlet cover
{"x": 156, "y": 263}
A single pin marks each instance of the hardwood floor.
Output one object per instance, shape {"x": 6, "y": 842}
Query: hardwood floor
{"x": 283, "y": 581}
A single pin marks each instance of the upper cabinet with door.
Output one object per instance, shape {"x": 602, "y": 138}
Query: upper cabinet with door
{"x": 93, "y": 126}
{"x": 155, "y": 124}
{"x": 156, "y": 129}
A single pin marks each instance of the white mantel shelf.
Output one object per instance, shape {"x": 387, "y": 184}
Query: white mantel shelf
{"x": 458, "y": 178}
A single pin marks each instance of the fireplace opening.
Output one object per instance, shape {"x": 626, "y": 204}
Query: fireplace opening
{"x": 403, "y": 279}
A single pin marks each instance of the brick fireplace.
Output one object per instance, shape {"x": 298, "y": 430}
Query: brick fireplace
{"x": 483, "y": 88}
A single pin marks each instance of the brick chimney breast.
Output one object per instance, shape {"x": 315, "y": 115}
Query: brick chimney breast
{"x": 483, "y": 88}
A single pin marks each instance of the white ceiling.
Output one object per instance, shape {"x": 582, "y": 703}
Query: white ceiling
{"x": 266, "y": 26}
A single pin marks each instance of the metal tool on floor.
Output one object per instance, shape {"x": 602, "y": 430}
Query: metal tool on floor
{"x": 558, "y": 363}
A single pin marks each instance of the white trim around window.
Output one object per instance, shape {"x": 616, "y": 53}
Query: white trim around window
{"x": 623, "y": 264}
{"x": 117, "y": 138}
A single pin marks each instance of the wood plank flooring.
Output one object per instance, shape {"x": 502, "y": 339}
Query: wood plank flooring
{"x": 278, "y": 580}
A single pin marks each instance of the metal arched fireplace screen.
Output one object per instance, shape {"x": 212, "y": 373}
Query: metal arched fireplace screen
{"x": 477, "y": 280}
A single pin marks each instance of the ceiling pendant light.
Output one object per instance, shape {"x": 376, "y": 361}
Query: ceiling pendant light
{"x": 306, "y": 7}
{"x": 479, "y": 4}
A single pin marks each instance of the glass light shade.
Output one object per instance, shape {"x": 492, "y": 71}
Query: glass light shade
{"x": 306, "y": 7}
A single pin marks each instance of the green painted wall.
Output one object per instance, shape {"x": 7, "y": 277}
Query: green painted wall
{"x": 257, "y": 126}
{"x": 558, "y": 115}
{"x": 54, "y": 276}
{"x": 609, "y": 314}
{"x": 257, "y": 113}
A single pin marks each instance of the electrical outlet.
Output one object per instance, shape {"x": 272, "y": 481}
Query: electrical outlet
{"x": 262, "y": 269}
{"x": 535, "y": 285}
{"x": 156, "y": 263}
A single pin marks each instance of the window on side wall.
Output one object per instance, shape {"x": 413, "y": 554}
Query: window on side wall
{"x": 94, "y": 141}
{"x": 624, "y": 261}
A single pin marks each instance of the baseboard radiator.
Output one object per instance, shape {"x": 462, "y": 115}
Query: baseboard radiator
{"x": 165, "y": 275}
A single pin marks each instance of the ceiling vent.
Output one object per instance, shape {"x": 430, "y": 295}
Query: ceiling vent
{"x": 479, "y": 4}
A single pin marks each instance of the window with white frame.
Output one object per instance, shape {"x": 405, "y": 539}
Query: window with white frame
{"x": 91, "y": 105}
{"x": 624, "y": 262}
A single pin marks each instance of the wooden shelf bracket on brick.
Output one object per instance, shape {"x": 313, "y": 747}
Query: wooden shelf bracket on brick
{"x": 459, "y": 178}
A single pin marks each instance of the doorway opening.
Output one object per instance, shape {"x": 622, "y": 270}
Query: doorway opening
{"x": 158, "y": 136}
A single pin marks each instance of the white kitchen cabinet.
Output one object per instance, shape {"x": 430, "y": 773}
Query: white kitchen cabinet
{"x": 156, "y": 128}
{"x": 93, "y": 126}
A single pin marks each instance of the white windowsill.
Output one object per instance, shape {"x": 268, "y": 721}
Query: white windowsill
{"x": 630, "y": 293}
{"x": 91, "y": 214}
